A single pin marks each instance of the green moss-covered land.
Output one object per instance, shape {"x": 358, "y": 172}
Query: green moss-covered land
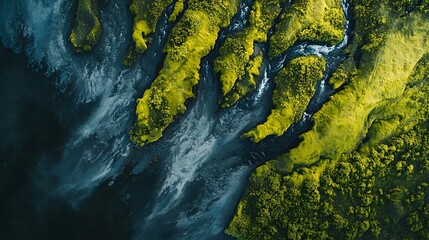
{"x": 191, "y": 39}
{"x": 146, "y": 13}
{"x": 295, "y": 85}
{"x": 344, "y": 120}
{"x": 178, "y": 8}
{"x": 246, "y": 83}
{"x": 87, "y": 28}
{"x": 238, "y": 62}
{"x": 361, "y": 171}
{"x": 146, "y": 16}
{"x": 380, "y": 193}
{"x": 308, "y": 20}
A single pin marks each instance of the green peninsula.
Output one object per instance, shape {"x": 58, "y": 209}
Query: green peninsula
{"x": 178, "y": 8}
{"x": 295, "y": 85}
{"x": 146, "y": 13}
{"x": 191, "y": 39}
{"x": 343, "y": 121}
{"x": 239, "y": 59}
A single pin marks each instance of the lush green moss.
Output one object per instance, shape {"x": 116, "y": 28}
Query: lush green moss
{"x": 377, "y": 194}
{"x": 235, "y": 58}
{"x": 87, "y": 29}
{"x": 401, "y": 7}
{"x": 424, "y": 6}
{"x": 191, "y": 39}
{"x": 343, "y": 121}
{"x": 309, "y": 20}
{"x": 246, "y": 84}
{"x": 361, "y": 172}
{"x": 378, "y": 191}
{"x": 295, "y": 85}
{"x": 371, "y": 29}
{"x": 146, "y": 13}
{"x": 146, "y": 16}
{"x": 178, "y": 8}
{"x": 341, "y": 76}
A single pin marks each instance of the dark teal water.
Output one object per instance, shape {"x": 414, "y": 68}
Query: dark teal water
{"x": 32, "y": 129}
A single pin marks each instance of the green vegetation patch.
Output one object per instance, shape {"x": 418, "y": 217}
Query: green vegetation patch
{"x": 343, "y": 121}
{"x": 342, "y": 75}
{"x": 378, "y": 191}
{"x": 361, "y": 172}
{"x": 238, "y": 63}
{"x": 87, "y": 28}
{"x": 178, "y": 8}
{"x": 146, "y": 13}
{"x": 295, "y": 85}
{"x": 246, "y": 84}
{"x": 191, "y": 39}
{"x": 376, "y": 194}
{"x": 308, "y": 20}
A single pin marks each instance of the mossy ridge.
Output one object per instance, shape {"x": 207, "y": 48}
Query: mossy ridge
{"x": 373, "y": 18}
{"x": 236, "y": 56}
{"x": 191, "y": 39}
{"x": 295, "y": 86}
{"x": 87, "y": 28}
{"x": 308, "y": 20}
{"x": 378, "y": 191}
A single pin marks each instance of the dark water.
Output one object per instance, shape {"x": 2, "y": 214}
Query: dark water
{"x": 69, "y": 170}
{"x": 32, "y": 129}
